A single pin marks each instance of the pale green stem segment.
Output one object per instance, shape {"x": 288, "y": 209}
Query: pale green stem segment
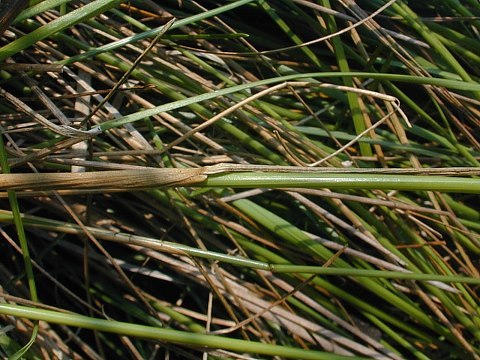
{"x": 345, "y": 181}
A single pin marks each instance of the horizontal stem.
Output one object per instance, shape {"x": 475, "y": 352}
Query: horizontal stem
{"x": 250, "y": 176}
{"x": 176, "y": 248}
{"x": 166, "y": 335}
{"x": 343, "y": 181}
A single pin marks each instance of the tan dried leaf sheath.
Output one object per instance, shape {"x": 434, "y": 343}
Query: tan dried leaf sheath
{"x": 123, "y": 179}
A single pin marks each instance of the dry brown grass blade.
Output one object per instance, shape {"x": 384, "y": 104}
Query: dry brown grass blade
{"x": 124, "y": 179}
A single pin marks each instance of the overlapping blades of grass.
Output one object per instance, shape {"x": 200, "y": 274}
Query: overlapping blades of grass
{"x": 164, "y": 116}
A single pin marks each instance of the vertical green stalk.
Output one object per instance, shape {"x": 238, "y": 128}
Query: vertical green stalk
{"x": 23, "y": 245}
{"x": 358, "y": 121}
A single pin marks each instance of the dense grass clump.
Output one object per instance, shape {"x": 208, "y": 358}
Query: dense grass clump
{"x": 240, "y": 179}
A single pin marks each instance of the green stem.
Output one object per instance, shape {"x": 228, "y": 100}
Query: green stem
{"x": 17, "y": 218}
{"x": 167, "y": 335}
{"x": 344, "y": 181}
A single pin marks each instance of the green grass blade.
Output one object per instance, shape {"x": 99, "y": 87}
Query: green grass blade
{"x": 168, "y": 335}
{"x": 17, "y": 219}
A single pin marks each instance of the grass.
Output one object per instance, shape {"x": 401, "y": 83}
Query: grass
{"x": 344, "y": 223}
